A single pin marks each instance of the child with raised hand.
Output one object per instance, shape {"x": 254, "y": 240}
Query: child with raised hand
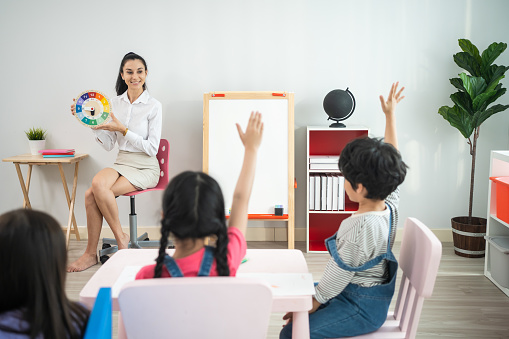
{"x": 193, "y": 211}
{"x": 357, "y": 286}
{"x": 33, "y": 259}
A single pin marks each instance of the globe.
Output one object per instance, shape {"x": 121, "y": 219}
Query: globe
{"x": 339, "y": 105}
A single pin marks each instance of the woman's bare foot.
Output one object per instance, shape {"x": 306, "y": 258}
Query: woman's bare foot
{"x": 83, "y": 262}
{"x": 124, "y": 242}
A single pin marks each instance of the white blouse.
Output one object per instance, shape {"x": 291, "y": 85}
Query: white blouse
{"x": 143, "y": 118}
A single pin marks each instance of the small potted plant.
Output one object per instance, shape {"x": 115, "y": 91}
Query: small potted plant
{"x": 476, "y": 92}
{"x": 36, "y": 139}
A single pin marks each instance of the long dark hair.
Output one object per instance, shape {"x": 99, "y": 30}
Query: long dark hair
{"x": 193, "y": 207}
{"x": 121, "y": 86}
{"x": 33, "y": 260}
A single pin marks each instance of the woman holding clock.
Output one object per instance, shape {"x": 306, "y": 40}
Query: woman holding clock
{"x": 136, "y": 128}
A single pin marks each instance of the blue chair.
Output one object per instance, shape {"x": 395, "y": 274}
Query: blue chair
{"x": 99, "y": 322}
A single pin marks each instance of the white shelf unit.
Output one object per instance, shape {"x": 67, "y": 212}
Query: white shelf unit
{"x": 328, "y": 142}
{"x": 499, "y": 166}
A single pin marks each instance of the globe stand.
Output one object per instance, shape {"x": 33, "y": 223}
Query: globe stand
{"x": 337, "y": 125}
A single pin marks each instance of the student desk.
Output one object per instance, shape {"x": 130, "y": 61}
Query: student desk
{"x": 260, "y": 261}
{"x": 31, "y": 160}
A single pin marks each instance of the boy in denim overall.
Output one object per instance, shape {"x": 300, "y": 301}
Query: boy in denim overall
{"x": 357, "y": 286}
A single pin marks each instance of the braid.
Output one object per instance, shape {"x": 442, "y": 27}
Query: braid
{"x": 220, "y": 253}
{"x": 158, "y": 270}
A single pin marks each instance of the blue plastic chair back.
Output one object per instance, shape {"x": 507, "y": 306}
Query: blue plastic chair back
{"x": 99, "y": 322}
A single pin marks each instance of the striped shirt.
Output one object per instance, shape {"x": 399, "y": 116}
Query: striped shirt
{"x": 360, "y": 238}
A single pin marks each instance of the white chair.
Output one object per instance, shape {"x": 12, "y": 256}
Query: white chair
{"x": 419, "y": 259}
{"x": 195, "y": 307}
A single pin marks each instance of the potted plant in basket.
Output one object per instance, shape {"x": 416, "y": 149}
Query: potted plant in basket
{"x": 36, "y": 139}
{"x": 476, "y": 91}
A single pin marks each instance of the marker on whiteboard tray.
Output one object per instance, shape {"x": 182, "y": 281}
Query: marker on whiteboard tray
{"x": 218, "y": 95}
{"x": 278, "y": 94}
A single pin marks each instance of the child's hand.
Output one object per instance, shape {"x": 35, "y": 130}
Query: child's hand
{"x": 254, "y": 130}
{"x": 393, "y": 99}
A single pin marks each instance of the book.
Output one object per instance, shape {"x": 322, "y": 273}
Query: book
{"x": 335, "y": 189}
{"x": 56, "y": 151}
{"x": 329, "y": 192}
{"x": 317, "y": 192}
{"x": 341, "y": 194}
{"x": 58, "y": 156}
{"x": 323, "y": 198}
{"x": 323, "y": 159}
{"x": 311, "y": 192}
{"x": 324, "y": 166}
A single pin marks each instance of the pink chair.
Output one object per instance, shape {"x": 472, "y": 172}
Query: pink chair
{"x": 419, "y": 259}
{"x": 195, "y": 307}
{"x": 142, "y": 241}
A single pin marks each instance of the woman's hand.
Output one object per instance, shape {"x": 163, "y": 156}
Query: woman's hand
{"x": 114, "y": 125}
{"x": 73, "y": 106}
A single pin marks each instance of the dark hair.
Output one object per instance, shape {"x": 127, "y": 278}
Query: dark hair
{"x": 33, "y": 260}
{"x": 193, "y": 207}
{"x": 374, "y": 164}
{"x": 121, "y": 86}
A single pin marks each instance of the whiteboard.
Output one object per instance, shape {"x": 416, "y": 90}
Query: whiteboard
{"x": 225, "y": 151}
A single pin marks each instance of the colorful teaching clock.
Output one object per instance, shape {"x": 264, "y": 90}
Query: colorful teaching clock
{"x": 93, "y": 108}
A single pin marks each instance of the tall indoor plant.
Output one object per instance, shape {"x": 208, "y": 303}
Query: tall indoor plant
{"x": 477, "y": 90}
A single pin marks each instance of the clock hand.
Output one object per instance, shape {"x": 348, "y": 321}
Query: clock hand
{"x": 91, "y": 109}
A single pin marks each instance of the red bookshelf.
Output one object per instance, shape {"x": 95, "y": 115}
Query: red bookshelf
{"x": 327, "y": 141}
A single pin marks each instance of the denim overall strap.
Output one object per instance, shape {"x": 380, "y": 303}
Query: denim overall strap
{"x": 205, "y": 266}
{"x": 172, "y": 267}
{"x": 330, "y": 244}
{"x": 206, "y": 262}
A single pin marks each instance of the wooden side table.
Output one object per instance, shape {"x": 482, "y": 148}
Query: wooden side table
{"x": 31, "y": 160}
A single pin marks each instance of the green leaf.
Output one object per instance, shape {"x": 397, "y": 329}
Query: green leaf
{"x": 468, "y": 63}
{"x": 458, "y": 83}
{"x": 491, "y": 53}
{"x": 493, "y": 75}
{"x": 473, "y": 85}
{"x": 458, "y": 118}
{"x": 463, "y": 101}
{"x": 480, "y": 117}
{"x": 500, "y": 91}
{"x": 481, "y": 101}
{"x": 470, "y": 48}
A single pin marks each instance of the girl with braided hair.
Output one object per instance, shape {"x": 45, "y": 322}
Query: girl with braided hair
{"x": 193, "y": 211}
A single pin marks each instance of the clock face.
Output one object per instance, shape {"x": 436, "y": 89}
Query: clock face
{"x": 93, "y": 108}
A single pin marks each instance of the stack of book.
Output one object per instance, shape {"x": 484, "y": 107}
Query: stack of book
{"x": 57, "y": 153}
{"x": 323, "y": 162}
{"x": 326, "y": 192}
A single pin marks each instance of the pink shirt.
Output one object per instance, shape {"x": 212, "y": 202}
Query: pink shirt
{"x": 191, "y": 264}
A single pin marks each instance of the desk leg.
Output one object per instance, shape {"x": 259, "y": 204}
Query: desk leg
{"x": 121, "y": 329}
{"x": 26, "y": 200}
{"x": 300, "y": 327}
{"x": 70, "y": 202}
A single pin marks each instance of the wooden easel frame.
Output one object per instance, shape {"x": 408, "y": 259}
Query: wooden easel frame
{"x": 291, "y": 148}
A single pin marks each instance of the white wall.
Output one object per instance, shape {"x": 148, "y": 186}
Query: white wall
{"x": 53, "y": 50}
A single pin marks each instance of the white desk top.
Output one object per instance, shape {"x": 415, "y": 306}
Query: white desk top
{"x": 280, "y": 267}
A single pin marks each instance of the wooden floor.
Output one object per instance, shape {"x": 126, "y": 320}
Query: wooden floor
{"x": 465, "y": 304}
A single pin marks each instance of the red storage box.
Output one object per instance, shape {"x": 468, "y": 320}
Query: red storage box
{"x": 502, "y": 196}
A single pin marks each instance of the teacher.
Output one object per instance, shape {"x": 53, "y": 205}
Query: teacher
{"x": 136, "y": 128}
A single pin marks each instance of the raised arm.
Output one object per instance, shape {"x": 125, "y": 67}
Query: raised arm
{"x": 251, "y": 140}
{"x": 389, "y": 108}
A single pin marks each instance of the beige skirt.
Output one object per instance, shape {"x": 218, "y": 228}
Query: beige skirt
{"x": 140, "y": 169}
